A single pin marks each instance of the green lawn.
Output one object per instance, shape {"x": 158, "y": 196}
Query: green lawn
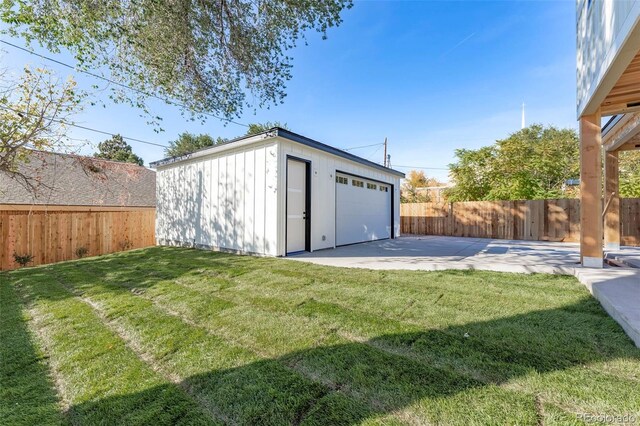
{"x": 181, "y": 336}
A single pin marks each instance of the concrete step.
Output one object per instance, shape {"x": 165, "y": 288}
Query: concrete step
{"x": 630, "y": 261}
{"x": 618, "y": 291}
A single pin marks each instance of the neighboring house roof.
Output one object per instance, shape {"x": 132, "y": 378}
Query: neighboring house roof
{"x": 72, "y": 180}
{"x": 285, "y": 134}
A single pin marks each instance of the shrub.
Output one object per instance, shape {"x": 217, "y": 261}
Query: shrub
{"x": 81, "y": 252}
{"x": 22, "y": 259}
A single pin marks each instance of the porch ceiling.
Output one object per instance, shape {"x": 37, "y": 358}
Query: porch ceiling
{"x": 632, "y": 144}
{"x": 625, "y": 95}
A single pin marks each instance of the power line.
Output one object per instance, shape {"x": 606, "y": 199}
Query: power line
{"x": 66, "y": 123}
{"x": 151, "y": 95}
{"x": 374, "y": 153}
{"x": 363, "y": 146}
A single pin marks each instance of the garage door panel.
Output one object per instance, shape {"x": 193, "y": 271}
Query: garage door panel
{"x": 362, "y": 213}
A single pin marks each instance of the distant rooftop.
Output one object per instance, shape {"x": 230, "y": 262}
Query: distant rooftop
{"x": 72, "y": 180}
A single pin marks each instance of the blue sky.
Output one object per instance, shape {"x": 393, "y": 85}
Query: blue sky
{"x": 430, "y": 76}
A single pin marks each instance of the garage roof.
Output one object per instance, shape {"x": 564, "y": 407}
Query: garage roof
{"x": 285, "y": 134}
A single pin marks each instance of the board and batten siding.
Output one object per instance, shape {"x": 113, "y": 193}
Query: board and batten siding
{"x": 225, "y": 200}
{"x": 323, "y": 191}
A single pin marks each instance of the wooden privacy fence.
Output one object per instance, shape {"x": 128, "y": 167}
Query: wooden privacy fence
{"x": 61, "y": 233}
{"x": 538, "y": 220}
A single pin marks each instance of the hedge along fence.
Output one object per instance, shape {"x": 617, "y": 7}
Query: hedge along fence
{"x": 56, "y": 233}
{"x": 537, "y": 220}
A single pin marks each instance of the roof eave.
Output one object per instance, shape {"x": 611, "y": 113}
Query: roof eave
{"x": 246, "y": 140}
{"x": 287, "y": 134}
{"x": 272, "y": 133}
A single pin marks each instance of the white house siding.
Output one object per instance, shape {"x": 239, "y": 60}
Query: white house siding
{"x": 323, "y": 186}
{"x": 225, "y": 200}
{"x": 606, "y": 29}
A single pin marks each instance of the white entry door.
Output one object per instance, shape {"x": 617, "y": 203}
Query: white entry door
{"x": 296, "y": 205}
{"x": 363, "y": 210}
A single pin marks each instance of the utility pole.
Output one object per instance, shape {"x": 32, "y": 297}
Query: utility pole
{"x": 523, "y": 124}
{"x": 385, "y": 153}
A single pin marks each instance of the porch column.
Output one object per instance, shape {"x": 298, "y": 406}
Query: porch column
{"x": 611, "y": 201}
{"x": 591, "y": 233}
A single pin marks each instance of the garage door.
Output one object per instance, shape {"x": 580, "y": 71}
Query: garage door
{"x": 363, "y": 210}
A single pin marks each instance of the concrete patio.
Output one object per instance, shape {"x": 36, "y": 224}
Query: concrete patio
{"x": 616, "y": 287}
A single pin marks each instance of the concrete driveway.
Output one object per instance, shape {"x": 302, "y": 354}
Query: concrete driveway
{"x": 437, "y": 253}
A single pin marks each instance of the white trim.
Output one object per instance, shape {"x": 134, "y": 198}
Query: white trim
{"x": 592, "y": 262}
{"x": 215, "y": 149}
{"x": 612, "y": 246}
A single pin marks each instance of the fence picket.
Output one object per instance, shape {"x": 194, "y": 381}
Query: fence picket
{"x": 537, "y": 220}
{"x": 51, "y": 235}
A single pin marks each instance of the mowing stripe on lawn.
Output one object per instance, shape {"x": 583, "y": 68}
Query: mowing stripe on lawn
{"x": 560, "y": 322}
{"x": 238, "y": 286}
{"x": 420, "y": 351}
{"x": 103, "y": 380}
{"x": 473, "y": 357}
{"x": 27, "y": 391}
{"x": 343, "y": 358}
{"x": 243, "y": 387}
{"x": 493, "y": 355}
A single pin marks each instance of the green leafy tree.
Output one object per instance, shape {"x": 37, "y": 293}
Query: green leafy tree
{"x": 188, "y": 143}
{"x": 630, "y": 174}
{"x": 471, "y": 174}
{"x": 33, "y": 111}
{"x": 533, "y": 163}
{"x": 256, "y": 128}
{"x": 206, "y": 56}
{"x": 117, "y": 149}
{"x": 413, "y": 189}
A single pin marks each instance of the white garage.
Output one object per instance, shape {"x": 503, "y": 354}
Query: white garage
{"x": 276, "y": 193}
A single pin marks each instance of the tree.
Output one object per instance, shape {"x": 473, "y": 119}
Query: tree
{"x": 33, "y": 113}
{"x": 413, "y": 187}
{"x": 117, "y": 149}
{"x": 256, "y": 128}
{"x": 630, "y": 174}
{"x": 533, "y": 163}
{"x": 471, "y": 174}
{"x": 201, "y": 55}
{"x": 188, "y": 143}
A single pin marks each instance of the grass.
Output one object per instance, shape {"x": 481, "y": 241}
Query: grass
{"x": 180, "y": 336}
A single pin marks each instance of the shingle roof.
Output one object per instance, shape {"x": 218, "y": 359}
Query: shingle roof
{"x": 64, "y": 179}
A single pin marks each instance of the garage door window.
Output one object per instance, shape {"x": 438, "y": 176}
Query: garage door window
{"x": 343, "y": 180}
{"x": 363, "y": 210}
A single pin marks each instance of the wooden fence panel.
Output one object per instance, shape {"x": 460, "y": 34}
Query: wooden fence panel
{"x": 536, "y": 220}
{"x": 630, "y": 219}
{"x": 52, "y": 235}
